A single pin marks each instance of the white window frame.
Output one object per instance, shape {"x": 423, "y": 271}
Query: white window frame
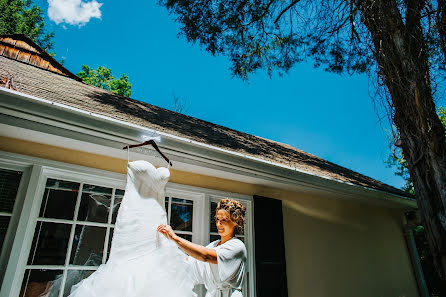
{"x": 198, "y": 200}
{"x": 249, "y": 281}
{"x": 37, "y": 170}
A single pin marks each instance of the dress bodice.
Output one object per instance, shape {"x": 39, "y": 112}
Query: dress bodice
{"x": 145, "y": 181}
{"x": 142, "y": 210}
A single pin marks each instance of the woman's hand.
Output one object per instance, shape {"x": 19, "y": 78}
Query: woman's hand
{"x": 166, "y": 230}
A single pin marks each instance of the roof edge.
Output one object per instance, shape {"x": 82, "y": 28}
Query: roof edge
{"x": 260, "y": 164}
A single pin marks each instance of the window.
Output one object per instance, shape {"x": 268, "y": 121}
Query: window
{"x": 10, "y": 181}
{"x": 72, "y": 236}
{"x": 179, "y": 216}
{"x": 9, "y": 185}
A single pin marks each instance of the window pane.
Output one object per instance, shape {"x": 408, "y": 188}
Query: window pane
{"x": 62, "y": 185}
{"x": 119, "y": 194}
{"x": 50, "y": 244}
{"x": 181, "y": 214}
{"x": 213, "y": 227}
{"x": 88, "y": 245}
{"x": 59, "y": 199}
{"x": 41, "y": 282}
{"x": 95, "y": 204}
{"x": 74, "y": 277}
{"x": 167, "y": 206}
{"x": 9, "y": 184}
{"x": 110, "y": 238}
{"x": 4, "y": 223}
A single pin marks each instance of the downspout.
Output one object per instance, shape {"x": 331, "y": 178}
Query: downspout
{"x": 414, "y": 256}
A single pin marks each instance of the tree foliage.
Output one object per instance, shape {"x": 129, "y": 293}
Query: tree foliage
{"x": 442, "y": 115}
{"x": 23, "y": 17}
{"x": 400, "y": 43}
{"x": 396, "y": 160}
{"x": 274, "y": 35}
{"x": 102, "y": 78}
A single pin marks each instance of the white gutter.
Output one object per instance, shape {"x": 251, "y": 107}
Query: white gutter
{"x": 361, "y": 190}
{"x": 167, "y": 135}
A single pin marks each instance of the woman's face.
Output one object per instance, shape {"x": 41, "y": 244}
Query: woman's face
{"x": 225, "y": 226}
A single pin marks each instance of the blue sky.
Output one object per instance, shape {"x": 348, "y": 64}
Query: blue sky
{"x": 328, "y": 115}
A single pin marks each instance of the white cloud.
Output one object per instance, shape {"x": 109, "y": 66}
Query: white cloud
{"x": 73, "y": 12}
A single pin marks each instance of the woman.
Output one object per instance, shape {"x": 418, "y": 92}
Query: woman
{"x": 221, "y": 264}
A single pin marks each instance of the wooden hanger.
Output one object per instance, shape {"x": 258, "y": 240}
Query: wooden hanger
{"x": 153, "y": 143}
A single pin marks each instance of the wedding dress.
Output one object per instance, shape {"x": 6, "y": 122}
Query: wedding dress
{"x": 143, "y": 262}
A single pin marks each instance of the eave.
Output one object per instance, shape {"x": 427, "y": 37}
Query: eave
{"x": 52, "y": 123}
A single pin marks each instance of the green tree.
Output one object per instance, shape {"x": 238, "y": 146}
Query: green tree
{"x": 23, "y": 17}
{"x": 396, "y": 160}
{"x": 442, "y": 115}
{"x": 402, "y": 43}
{"x": 102, "y": 77}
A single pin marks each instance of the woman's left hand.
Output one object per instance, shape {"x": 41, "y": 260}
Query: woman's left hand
{"x": 166, "y": 230}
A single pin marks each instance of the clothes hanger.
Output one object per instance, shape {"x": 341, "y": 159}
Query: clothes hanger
{"x": 153, "y": 143}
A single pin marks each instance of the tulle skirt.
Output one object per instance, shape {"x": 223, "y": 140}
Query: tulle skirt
{"x": 162, "y": 272}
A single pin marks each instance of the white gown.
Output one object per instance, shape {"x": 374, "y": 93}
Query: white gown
{"x": 143, "y": 262}
{"x": 224, "y": 279}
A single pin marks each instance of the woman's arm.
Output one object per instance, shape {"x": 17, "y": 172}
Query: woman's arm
{"x": 197, "y": 251}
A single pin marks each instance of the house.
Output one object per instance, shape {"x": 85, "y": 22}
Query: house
{"x": 313, "y": 228}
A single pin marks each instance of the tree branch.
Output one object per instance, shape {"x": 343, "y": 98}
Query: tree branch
{"x": 285, "y": 10}
{"x": 263, "y": 14}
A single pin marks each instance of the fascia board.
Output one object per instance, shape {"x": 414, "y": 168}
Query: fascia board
{"x": 72, "y": 122}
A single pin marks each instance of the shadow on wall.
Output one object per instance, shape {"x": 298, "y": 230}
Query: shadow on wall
{"x": 340, "y": 248}
{"x": 330, "y": 214}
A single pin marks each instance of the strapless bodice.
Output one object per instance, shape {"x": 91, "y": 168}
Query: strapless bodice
{"x": 147, "y": 180}
{"x": 142, "y": 210}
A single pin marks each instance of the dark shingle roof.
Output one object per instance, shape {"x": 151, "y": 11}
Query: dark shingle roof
{"x": 57, "y": 88}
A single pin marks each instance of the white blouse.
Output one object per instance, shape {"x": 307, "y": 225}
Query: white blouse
{"x": 224, "y": 279}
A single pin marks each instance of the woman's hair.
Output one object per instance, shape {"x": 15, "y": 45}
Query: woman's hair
{"x": 235, "y": 210}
